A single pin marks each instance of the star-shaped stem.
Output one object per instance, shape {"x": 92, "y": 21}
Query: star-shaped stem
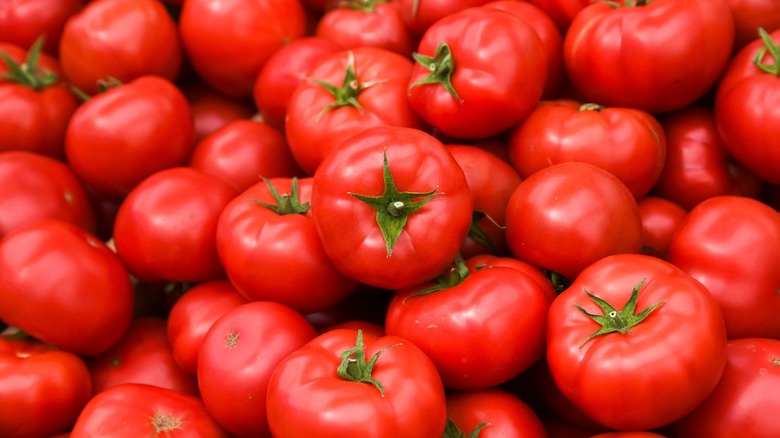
{"x": 772, "y": 68}
{"x": 442, "y": 67}
{"x": 288, "y": 203}
{"x": 356, "y": 368}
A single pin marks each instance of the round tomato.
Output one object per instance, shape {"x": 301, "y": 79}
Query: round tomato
{"x": 492, "y": 412}
{"x": 661, "y": 218}
{"x": 211, "y": 109}
{"x": 419, "y": 15}
{"x": 749, "y": 15}
{"x": 562, "y": 12}
{"x": 22, "y": 22}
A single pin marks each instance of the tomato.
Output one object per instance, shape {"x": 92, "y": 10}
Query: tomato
{"x": 193, "y": 314}
{"x": 22, "y": 22}
{"x": 122, "y": 39}
{"x": 242, "y": 152}
{"x": 342, "y": 381}
{"x": 746, "y": 107}
{"x": 113, "y": 143}
{"x": 749, "y": 15}
{"x": 228, "y": 41}
{"x": 419, "y": 15}
{"x": 35, "y": 103}
{"x": 493, "y": 412}
{"x": 745, "y": 401}
{"x": 269, "y": 246}
{"x": 742, "y": 234}
{"x": 456, "y": 84}
{"x": 661, "y": 218}
{"x": 556, "y": 222}
{"x": 346, "y": 92}
{"x": 135, "y": 410}
{"x": 43, "y": 389}
{"x": 143, "y": 355}
{"x": 392, "y": 207}
{"x": 697, "y": 164}
{"x": 62, "y": 285}
{"x": 536, "y": 274}
{"x": 491, "y": 181}
{"x": 211, "y": 109}
{"x": 457, "y": 320}
{"x": 245, "y": 345}
{"x": 374, "y": 23}
{"x": 284, "y": 70}
{"x": 34, "y": 186}
{"x": 627, "y": 142}
{"x": 562, "y": 12}
{"x": 165, "y": 229}
{"x": 656, "y": 56}
{"x": 611, "y": 333}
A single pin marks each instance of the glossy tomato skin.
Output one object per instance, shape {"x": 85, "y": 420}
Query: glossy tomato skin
{"x": 228, "y": 41}
{"x": 491, "y": 97}
{"x": 749, "y": 15}
{"x": 627, "y": 142}
{"x": 34, "y": 186}
{"x": 278, "y": 257}
{"x": 193, "y": 314}
{"x": 556, "y": 222}
{"x": 562, "y": 12}
{"x": 744, "y": 402}
{"x": 536, "y": 274}
{"x": 307, "y": 397}
{"x": 503, "y": 413}
{"x": 419, "y": 16}
{"x": 431, "y": 236}
{"x": 712, "y": 233}
{"x": 113, "y": 142}
{"x": 661, "y": 218}
{"x": 53, "y": 278}
{"x": 314, "y": 126}
{"x": 23, "y": 21}
{"x": 625, "y": 381}
{"x": 43, "y": 389}
{"x": 602, "y": 43}
{"x": 245, "y": 345}
{"x": 123, "y": 39}
{"x": 135, "y": 409}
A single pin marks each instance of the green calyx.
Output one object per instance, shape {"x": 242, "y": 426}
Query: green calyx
{"x": 452, "y": 430}
{"x": 393, "y": 207}
{"x": 28, "y": 73}
{"x": 456, "y": 275}
{"x": 368, "y": 6}
{"x": 477, "y": 234}
{"x": 441, "y": 66}
{"x": 347, "y": 94}
{"x": 614, "y": 321}
{"x": 772, "y": 68}
{"x": 354, "y": 366}
{"x": 285, "y": 203}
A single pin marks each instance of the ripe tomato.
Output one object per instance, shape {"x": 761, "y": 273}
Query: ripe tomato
{"x": 661, "y": 218}
{"x": 562, "y": 12}
{"x": 211, "y": 109}
{"x": 749, "y": 15}
{"x": 493, "y": 412}
{"x": 536, "y": 274}
{"x": 62, "y": 285}
{"x": 122, "y": 39}
{"x": 392, "y": 207}
{"x": 656, "y": 56}
{"x": 419, "y": 15}
{"x": 342, "y": 381}
{"x": 611, "y": 333}
{"x": 22, "y": 22}
{"x": 556, "y": 222}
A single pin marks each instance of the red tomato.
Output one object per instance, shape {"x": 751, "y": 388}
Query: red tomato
{"x": 143, "y": 355}
{"x": 269, "y": 246}
{"x": 33, "y": 187}
{"x": 42, "y": 389}
{"x": 697, "y": 164}
{"x": 747, "y": 107}
{"x": 113, "y": 143}
{"x": 749, "y": 15}
{"x": 611, "y": 333}
{"x": 193, "y": 314}
{"x": 165, "y": 229}
{"x": 284, "y": 70}
{"x": 35, "y": 104}
{"x": 22, "y": 22}
{"x": 122, "y": 39}
{"x": 556, "y": 222}
{"x": 419, "y": 15}
{"x": 628, "y": 143}
{"x": 731, "y": 244}
{"x": 211, "y": 109}
{"x": 536, "y": 274}
{"x": 655, "y": 56}
{"x": 562, "y": 12}
{"x": 138, "y": 410}
{"x": 347, "y": 92}
{"x": 63, "y": 286}
{"x": 244, "y": 151}
{"x": 458, "y": 87}
{"x": 455, "y": 321}
{"x": 228, "y": 41}
{"x": 661, "y": 218}
{"x": 392, "y": 207}
{"x": 745, "y": 401}
{"x": 247, "y": 343}
{"x": 493, "y": 412}
{"x": 343, "y": 381}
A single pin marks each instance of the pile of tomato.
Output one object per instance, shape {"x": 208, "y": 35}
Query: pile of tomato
{"x": 389, "y": 218}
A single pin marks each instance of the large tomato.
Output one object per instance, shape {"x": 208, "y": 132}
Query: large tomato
{"x": 749, "y": 15}
{"x": 392, "y": 207}
{"x": 22, "y": 22}
{"x": 635, "y": 342}
{"x": 343, "y": 381}
{"x": 656, "y": 56}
